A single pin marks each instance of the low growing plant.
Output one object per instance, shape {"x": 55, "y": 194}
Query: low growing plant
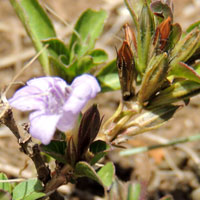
{"x": 157, "y": 68}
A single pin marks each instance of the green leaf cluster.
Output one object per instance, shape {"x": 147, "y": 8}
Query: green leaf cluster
{"x": 75, "y": 58}
{"x": 26, "y": 190}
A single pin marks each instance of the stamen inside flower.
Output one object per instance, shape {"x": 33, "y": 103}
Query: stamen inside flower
{"x": 56, "y": 99}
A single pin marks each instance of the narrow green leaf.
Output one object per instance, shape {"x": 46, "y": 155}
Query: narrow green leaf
{"x": 178, "y": 91}
{"x": 147, "y": 27}
{"x": 106, "y": 174}
{"x": 151, "y": 119}
{"x": 134, "y": 191}
{"x": 182, "y": 70}
{"x": 185, "y": 48}
{"x": 5, "y": 186}
{"x": 88, "y": 28}
{"x": 98, "y": 55}
{"x": 28, "y": 190}
{"x": 136, "y": 150}
{"x": 84, "y": 169}
{"x": 174, "y": 36}
{"x": 193, "y": 26}
{"x": 154, "y": 77}
{"x": 37, "y": 25}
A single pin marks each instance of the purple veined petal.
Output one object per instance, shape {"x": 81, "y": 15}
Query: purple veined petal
{"x": 43, "y": 126}
{"x": 27, "y": 98}
{"x": 75, "y": 104}
{"x": 85, "y": 86}
{"x": 67, "y": 121}
{"x": 46, "y": 83}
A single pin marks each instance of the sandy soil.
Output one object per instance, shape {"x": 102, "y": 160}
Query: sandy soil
{"x": 174, "y": 170}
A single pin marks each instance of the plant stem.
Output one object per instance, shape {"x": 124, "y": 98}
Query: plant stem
{"x": 148, "y": 148}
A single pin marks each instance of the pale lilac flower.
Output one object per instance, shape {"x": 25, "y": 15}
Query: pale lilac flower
{"x": 54, "y": 103}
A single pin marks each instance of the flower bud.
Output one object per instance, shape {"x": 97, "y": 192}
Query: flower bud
{"x": 88, "y": 130}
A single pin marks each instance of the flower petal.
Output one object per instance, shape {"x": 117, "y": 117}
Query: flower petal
{"x": 85, "y": 86}
{"x": 46, "y": 83}
{"x": 43, "y": 126}
{"x": 27, "y": 98}
{"x": 67, "y": 121}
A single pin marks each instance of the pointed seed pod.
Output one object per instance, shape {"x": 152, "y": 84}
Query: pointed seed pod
{"x": 71, "y": 152}
{"x": 162, "y": 33}
{"x": 130, "y": 35}
{"x": 126, "y": 70}
{"x": 88, "y": 130}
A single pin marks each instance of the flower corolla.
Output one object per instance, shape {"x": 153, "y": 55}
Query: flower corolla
{"x": 54, "y": 103}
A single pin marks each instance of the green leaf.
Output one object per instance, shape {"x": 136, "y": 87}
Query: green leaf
{"x": 98, "y": 148}
{"x": 182, "y": 70}
{"x": 154, "y": 77}
{"x": 55, "y": 149}
{"x": 97, "y": 157}
{"x": 109, "y": 82}
{"x": 178, "y": 91}
{"x": 59, "y": 59}
{"x": 5, "y": 186}
{"x": 108, "y": 77}
{"x": 57, "y": 48}
{"x": 84, "y": 169}
{"x": 174, "y": 36}
{"x": 134, "y": 191}
{"x": 84, "y": 64}
{"x": 28, "y": 190}
{"x": 147, "y": 27}
{"x": 87, "y": 29}
{"x": 98, "y": 55}
{"x": 37, "y": 25}
{"x": 110, "y": 68}
{"x": 185, "y": 48}
{"x": 152, "y": 118}
{"x": 193, "y": 26}
{"x": 106, "y": 174}
{"x": 161, "y": 9}
{"x": 57, "y": 68}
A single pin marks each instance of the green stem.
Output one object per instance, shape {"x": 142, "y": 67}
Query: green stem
{"x": 148, "y": 148}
